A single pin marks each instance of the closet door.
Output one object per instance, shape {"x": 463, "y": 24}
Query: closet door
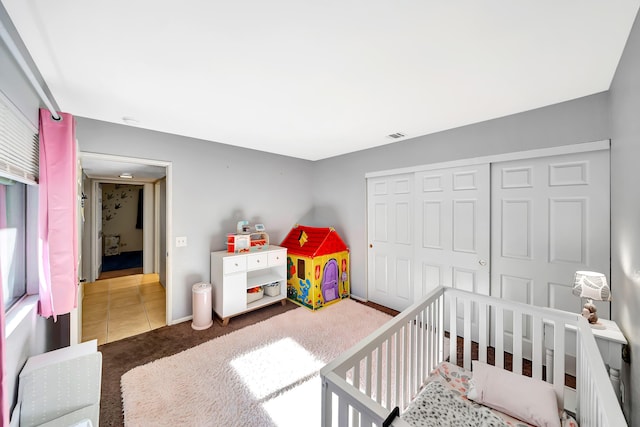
{"x": 452, "y": 229}
{"x": 390, "y": 235}
{"x": 550, "y": 217}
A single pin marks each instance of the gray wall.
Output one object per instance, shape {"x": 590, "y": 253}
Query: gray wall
{"x": 625, "y": 207}
{"x": 15, "y": 87}
{"x": 340, "y": 187}
{"x": 213, "y": 187}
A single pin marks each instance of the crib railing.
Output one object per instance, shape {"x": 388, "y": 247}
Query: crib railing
{"x": 387, "y": 369}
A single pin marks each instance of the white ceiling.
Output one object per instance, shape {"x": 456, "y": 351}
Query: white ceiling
{"x": 318, "y": 79}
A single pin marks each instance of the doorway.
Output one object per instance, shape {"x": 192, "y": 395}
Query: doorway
{"x": 127, "y": 287}
{"x": 121, "y": 230}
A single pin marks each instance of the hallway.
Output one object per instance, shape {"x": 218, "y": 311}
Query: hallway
{"x": 113, "y": 309}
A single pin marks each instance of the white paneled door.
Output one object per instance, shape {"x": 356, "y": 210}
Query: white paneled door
{"x": 391, "y": 240}
{"x": 550, "y": 218}
{"x": 427, "y": 229}
{"x": 452, "y": 233}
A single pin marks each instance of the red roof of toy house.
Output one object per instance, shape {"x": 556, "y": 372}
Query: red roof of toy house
{"x": 313, "y": 241}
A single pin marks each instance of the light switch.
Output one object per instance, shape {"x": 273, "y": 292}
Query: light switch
{"x": 181, "y": 241}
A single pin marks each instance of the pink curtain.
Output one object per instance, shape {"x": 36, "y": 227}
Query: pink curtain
{"x": 4, "y": 409}
{"x": 57, "y": 220}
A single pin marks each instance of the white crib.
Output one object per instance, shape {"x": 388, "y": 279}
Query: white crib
{"x": 364, "y": 385}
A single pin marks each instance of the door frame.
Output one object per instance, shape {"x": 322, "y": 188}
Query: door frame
{"x": 517, "y": 155}
{"x": 96, "y": 240}
{"x": 168, "y": 215}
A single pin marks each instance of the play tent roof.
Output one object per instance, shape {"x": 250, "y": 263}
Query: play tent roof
{"x": 313, "y": 241}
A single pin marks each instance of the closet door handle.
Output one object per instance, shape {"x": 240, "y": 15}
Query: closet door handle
{"x": 482, "y": 262}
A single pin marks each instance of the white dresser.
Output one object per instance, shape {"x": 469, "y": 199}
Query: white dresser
{"x": 233, "y": 274}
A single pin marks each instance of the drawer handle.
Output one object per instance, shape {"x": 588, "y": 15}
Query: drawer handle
{"x": 236, "y": 264}
{"x": 258, "y": 261}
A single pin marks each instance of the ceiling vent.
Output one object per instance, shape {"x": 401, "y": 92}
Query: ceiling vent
{"x": 396, "y": 135}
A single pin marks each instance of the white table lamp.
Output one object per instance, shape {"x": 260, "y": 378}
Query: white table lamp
{"x": 593, "y": 286}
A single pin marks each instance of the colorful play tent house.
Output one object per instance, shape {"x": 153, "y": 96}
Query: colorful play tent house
{"x": 317, "y": 266}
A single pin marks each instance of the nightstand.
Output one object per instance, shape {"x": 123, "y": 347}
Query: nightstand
{"x": 610, "y": 341}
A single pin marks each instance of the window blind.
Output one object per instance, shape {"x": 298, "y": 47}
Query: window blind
{"x": 18, "y": 144}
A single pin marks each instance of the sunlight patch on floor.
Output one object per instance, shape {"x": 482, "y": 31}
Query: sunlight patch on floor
{"x": 273, "y": 368}
{"x": 299, "y": 406}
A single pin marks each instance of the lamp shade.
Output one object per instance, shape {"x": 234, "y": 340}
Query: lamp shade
{"x": 592, "y": 285}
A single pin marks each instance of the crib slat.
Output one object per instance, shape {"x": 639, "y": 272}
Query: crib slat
{"x": 343, "y": 412}
{"x": 365, "y": 420}
{"x": 389, "y": 360}
{"x": 440, "y": 339}
{"x": 367, "y": 375}
{"x": 517, "y": 342}
{"x": 406, "y": 396}
{"x": 356, "y": 375}
{"x": 482, "y": 330}
{"x": 453, "y": 308}
{"x": 426, "y": 330}
{"x": 499, "y": 332}
{"x": 431, "y": 346}
{"x": 434, "y": 336}
{"x": 327, "y": 404}
{"x": 413, "y": 360}
{"x": 398, "y": 384}
{"x": 537, "y": 348}
{"x": 467, "y": 334}
{"x": 379, "y": 355}
{"x": 558, "y": 362}
{"x": 422, "y": 330}
{"x": 355, "y": 416}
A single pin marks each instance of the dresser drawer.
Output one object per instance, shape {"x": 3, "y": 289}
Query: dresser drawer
{"x": 234, "y": 264}
{"x": 277, "y": 258}
{"x": 257, "y": 261}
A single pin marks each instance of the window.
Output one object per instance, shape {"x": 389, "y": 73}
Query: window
{"x": 18, "y": 203}
{"x": 13, "y": 225}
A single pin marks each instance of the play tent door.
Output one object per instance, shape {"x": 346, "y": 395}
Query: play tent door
{"x": 329, "y": 284}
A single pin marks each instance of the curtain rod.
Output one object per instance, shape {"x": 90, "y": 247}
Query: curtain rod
{"x": 8, "y": 41}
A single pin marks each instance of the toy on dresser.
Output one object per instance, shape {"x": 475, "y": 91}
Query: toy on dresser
{"x": 246, "y": 240}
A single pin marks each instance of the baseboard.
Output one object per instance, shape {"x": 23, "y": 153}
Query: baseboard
{"x": 184, "y": 319}
{"x": 357, "y": 298}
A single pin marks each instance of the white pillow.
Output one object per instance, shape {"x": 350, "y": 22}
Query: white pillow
{"x": 527, "y": 399}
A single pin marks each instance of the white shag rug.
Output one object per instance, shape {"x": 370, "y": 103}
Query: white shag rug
{"x": 266, "y": 374}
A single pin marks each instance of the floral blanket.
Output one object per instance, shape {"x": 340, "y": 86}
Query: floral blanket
{"x": 443, "y": 402}
{"x": 439, "y": 405}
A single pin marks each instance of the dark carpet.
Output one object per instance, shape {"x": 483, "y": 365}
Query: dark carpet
{"x": 123, "y": 261}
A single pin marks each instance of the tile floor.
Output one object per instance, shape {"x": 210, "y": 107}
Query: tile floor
{"x": 113, "y": 309}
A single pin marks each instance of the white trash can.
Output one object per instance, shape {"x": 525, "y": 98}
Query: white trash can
{"x": 202, "y": 315}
